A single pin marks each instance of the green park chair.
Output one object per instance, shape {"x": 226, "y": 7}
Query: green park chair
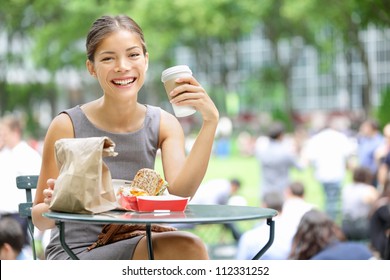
{"x": 28, "y": 183}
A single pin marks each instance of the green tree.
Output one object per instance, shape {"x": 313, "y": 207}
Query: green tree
{"x": 342, "y": 21}
{"x": 201, "y": 26}
{"x": 20, "y": 89}
{"x": 281, "y": 30}
{"x": 53, "y": 37}
{"x": 383, "y": 113}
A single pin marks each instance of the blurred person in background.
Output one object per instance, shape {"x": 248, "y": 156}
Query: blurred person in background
{"x": 291, "y": 207}
{"x": 328, "y": 152}
{"x": 368, "y": 141}
{"x": 357, "y": 201}
{"x": 318, "y": 237}
{"x": 4, "y": 152}
{"x": 253, "y": 240}
{"x": 379, "y": 228}
{"x": 383, "y": 158}
{"x": 217, "y": 191}
{"x": 19, "y": 159}
{"x": 246, "y": 144}
{"x": 295, "y": 205}
{"x": 276, "y": 159}
{"x": 11, "y": 240}
{"x": 221, "y": 192}
{"x": 3, "y": 149}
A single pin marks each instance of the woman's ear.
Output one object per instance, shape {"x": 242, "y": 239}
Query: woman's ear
{"x": 146, "y": 61}
{"x": 91, "y": 68}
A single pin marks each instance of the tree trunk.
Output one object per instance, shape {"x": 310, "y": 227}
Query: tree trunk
{"x": 348, "y": 59}
{"x": 367, "y": 87}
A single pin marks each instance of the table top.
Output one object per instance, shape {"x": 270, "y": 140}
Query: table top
{"x": 193, "y": 214}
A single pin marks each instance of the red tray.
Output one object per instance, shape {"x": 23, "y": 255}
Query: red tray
{"x": 154, "y": 203}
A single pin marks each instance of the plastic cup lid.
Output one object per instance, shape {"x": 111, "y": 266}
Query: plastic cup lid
{"x": 175, "y": 70}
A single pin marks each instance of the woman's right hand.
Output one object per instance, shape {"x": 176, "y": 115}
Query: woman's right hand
{"x": 191, "y": 93}
{"x": 48, "y": 192}
{"x": 42, "y": 206}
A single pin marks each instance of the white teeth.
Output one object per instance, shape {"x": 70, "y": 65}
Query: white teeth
{"x": 124, "y": 82}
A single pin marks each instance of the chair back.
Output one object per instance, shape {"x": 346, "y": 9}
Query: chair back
{"x": 28, "y": 183}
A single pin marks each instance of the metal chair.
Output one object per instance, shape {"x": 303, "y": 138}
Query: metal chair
{"x": 28, "y": 183}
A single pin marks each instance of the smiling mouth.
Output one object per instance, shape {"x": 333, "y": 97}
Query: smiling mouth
{"x": 124, "y": 82}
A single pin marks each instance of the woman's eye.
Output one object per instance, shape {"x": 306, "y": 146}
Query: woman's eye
{"x": 133, "y": 55}
{"x": 107, "y": 58}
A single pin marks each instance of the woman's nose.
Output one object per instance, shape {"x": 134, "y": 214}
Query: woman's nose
{"x": 122, "y": 65}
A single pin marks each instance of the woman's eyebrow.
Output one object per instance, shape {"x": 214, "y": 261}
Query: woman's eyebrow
{"x": 112, "y": 52}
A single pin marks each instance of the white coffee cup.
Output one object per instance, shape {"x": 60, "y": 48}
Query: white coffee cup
{"x": 168, "y": 77}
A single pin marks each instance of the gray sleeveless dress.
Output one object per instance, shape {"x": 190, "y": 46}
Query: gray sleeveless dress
{"x": 136, "y": 150}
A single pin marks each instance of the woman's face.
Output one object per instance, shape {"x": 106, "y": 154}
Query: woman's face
{"x": 120, "y": 64}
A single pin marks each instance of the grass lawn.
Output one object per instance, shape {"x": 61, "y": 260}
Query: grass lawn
{"x": 247, "y": 170}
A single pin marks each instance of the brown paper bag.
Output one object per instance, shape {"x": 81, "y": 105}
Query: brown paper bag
{"x": 84, "y": 183}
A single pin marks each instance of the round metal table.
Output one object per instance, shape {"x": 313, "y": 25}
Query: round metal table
{"x": 194, "y": 214}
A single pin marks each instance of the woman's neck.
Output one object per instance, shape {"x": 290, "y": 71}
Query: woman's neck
{"x": 117, "y": 118}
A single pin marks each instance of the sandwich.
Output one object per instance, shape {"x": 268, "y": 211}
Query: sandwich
{"x": 146, "y": 182}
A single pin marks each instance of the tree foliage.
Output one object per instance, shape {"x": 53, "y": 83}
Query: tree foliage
{"x": 52, "y": 37}
{"x": 341, "y": 22}
{"x": 383, "y": 113}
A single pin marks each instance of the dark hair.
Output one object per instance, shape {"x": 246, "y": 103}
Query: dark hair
{"x": 315, "y": 232}
{"x": 386, "y": 188}
{"x": 372, "y": 123}
{"x": 106, "y": 25}
{"x": 362, "y": 175}
{"x": 11, "y": 233}
{"x": 276, "y": 130}
{"x": 297, "y": 189}
{"x": 235, "y": 182}
{"x": 273, "y": 200}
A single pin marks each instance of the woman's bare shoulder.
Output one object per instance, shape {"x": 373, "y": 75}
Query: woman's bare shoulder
{"x": 170, "y": 127}
{"x": 61, "y": 126}
{"x": 169, "y": 121}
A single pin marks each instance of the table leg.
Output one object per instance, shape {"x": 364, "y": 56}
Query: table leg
{"x": 61, "y": 227}
{"x": 149, "y": 240}
{"x": 271, "y": 224}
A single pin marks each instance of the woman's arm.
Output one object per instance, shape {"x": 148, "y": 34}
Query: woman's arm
{"x": 61, "y": 127}
{"x": 185, "y": 174}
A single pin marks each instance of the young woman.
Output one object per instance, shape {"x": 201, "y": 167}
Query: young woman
{"x": 118, "y": 59}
